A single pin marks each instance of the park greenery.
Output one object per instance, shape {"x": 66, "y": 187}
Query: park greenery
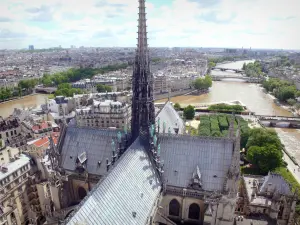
{"x": 189, "y": 112}
{"x": 263, "y": 146}
{"x": 7, "y": 93}
{"x": 66, "y": 90}
{"x": 177, "y": 106}
{"x": 73, "y": 75}
{"x": 204, "y": 83}
{"x": 226, "y": 108}
{"x": 103, "y": 88}
{"x": 253, "y": 69}
{"x": 217, "y": 125}
{"x": 24, "y": 87}
{"x": 264, "y": 149}
{"x": 28, "y": 85}
{"x": 284, "y": 91}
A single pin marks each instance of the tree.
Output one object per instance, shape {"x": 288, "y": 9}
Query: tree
{"x": 286, "y": 92}
{"x": 211, "y": 65}
{"x": 203, "y": 83}
{"x": 177, "y": 106}
{"x": 267, "y": 158}
{"x": 244, "y": 66}
{"x": 64, "y": 86}
{"x": 244, "y": 139}
{"x": 261, "y": 137}
{"x": 103, "y": 88}
{"x": 20, "y": 91}
{"x": 189, "y": 112}
{"x": 291, "y": 101}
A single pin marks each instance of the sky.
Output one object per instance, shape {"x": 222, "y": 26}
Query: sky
{"x": 171, "y": 23}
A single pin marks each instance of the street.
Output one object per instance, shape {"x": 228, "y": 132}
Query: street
{"x": 291, "y": 166}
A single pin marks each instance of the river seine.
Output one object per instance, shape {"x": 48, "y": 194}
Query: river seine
{"x": 6, "y": 108}
{"x": 251, "y": 95}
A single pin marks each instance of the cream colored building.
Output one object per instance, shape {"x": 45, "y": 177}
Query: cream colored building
{"x": 160, "y": 84}
{"x": 104, "y": 114}
{"x": 14, "y": 177}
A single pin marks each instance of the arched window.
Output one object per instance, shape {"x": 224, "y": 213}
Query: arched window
{"x": 194, "y": 211}
{"x": 81, "y": 192}
{"x": 174, "y": 208}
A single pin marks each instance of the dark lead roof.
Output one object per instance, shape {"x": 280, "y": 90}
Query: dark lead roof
{"x": 126, "y": 196}
{"x": 182, "y": 154}
{"x": 96, "y": 143}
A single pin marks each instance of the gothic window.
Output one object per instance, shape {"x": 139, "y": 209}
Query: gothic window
{"x": 194, "y": 211}
{"x": 174, "y": 208}
{"x": 81, "y": 193}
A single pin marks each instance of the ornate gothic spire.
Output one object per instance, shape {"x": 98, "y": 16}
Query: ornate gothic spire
{"x": 143, "y": 114}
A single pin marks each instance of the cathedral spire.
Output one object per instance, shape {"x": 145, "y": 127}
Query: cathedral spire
{"x": 143, "y": 114}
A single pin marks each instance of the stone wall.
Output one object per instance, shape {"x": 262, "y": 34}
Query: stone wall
{"x": 172, "y": 94}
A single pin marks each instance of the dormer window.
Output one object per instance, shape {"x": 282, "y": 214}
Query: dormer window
{"x": 196, "y": 179}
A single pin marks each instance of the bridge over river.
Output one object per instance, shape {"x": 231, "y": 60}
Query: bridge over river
{"x": 225, "y": 69}
{"x": 279, "y": 121}
{"x": 45, "y": 90}
{"x": 233, "y": 76}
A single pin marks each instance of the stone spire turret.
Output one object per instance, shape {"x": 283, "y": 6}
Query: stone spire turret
{"x": 143, "y": 113}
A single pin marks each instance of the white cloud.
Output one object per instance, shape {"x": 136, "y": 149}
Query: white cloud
{"x": 227, "y": 23}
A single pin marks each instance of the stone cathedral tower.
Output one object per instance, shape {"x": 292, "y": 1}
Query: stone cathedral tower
{"x": 143, "y": 113}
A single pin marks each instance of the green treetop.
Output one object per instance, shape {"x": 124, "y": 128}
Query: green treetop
{"x": 189, "y": 112}
{"x": 203, "y": 83}
{"x": 103, "y": 88}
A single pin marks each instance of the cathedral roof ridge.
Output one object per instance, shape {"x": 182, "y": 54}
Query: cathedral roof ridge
{"x": 186, "y": 136}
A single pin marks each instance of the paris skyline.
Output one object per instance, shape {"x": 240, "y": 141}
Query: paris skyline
{"x": 171, "y": 23}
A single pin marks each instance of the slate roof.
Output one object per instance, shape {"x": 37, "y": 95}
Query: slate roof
{"x": 95, "y": 142}
{"x": 131, "y": 187}
{"x": 182, "y": 154}
{"x": 275, "y": 183}
{"x": 172, "y": 119}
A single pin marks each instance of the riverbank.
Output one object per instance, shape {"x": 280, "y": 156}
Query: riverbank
{"x": 161, "y": 96}
{"x": 17, "y": 98}
{"x": 281, "y": 104}
{"x": 28, "y": 101}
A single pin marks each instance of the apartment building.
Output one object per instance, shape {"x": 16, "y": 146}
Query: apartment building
{"x": 38, "y": 147}
{"x": 179, "y": 83}
{"x": 10, "y": 132}
{"x": 9, "y": 128}
{"x": 38, "y": 129}
{"x": 14, "y": 175}
{"x": 160, "y": 84}
{"x": 61, "y": 108}
{"x": 104, "y": 114}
